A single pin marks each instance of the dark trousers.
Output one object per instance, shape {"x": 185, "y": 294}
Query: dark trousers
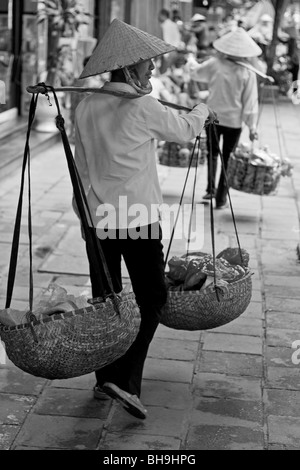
{"x": 144, "y": 260}
{"x": 230, "y": 140}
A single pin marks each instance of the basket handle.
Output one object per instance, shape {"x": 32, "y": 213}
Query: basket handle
{"x": 92, "y": 240}
{"x": 17, "y": 227}
{"x": 213, "y": 127}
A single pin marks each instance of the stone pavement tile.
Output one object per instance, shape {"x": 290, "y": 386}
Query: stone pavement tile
{"x": 209, "y": 431}
{"x": 270, "y": 223}
{"x": 280, "y": 267}
{"x": 276, "y": 234}
{"x": 5, "y": 251}
{"x": 52, "y": 236}
{"x": 283, "y": 378}
{"x": 164, "y": 332}
{"x": 284, "y": 430}
{"x": 282, "y": 320}
{"x": 254, "y": 310}
{"x": 173, "y": 395}
{"x": 6, "y": 237}
{"x": 120, "y": 441}
{"x": 255, "y": 273}
{"x": 231, "y": 363}
{"x": 256, "y": 283}
{"x": 50, "y": 215}
{"x": 227, "y": 386}
{"x": 240, "y": 409}
{"x": 285, "y": 305}
{"x": 168, "y": 371}
{"x": 232, "y": 343}
{"x": 67, "y": 264}
{"x": 71, "y": 243}
{"x": 14, "y": 408}
{"x": 242, "y": 326}
{"x": 282, "y": 337}
{"x": 281, "y": 281}
{"x": 284, "y": 291}
{"x": 282, "y": 402}
{"x": 213, "y": 437}
{"x": 281, "y": 447}
{"x": 84, "y": 382}
{"x": 285, "y": 256}
{"x": 7, "y": 435}
{"x": 29, "y": 448}
{"x": 39, "y": 279}
{"x": 71, "y": 402}
{"x": 173, "y": 349}
{"x": 14, "y": 380}
{"x": 256, "y": 295}
{"x": 60, "y": 432}
{"x": 279, "y": 357}
{"x": 160, "y": 422}
{"x": 81, "y": 281}
{"x": 21, "y": 292}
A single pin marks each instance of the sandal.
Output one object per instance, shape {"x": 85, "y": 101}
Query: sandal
{"x": 131, "y": 403}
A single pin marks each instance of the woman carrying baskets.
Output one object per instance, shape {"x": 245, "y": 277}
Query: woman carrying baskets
{"x": 233, "y": 94}
{"x": 115, "y": 134}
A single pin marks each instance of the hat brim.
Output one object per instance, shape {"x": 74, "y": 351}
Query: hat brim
{"x": 123, "y": 45}
{"x": 237, "y": 43}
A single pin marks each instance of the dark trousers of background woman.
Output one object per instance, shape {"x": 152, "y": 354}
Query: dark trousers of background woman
{"x": 230, "y": 140}
{"x": 144, "y": 260}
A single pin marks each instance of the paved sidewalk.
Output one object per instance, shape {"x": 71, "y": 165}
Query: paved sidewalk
{"x": 234, "y": 387}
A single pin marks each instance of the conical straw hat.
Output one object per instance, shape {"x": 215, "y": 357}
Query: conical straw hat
{"x": 237, "y": 43}
{"x": 123, "y": 45}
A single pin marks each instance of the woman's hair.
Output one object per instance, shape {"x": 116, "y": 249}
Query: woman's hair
{"x": 118, "y": 76}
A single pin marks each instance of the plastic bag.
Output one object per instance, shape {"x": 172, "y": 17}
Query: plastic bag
{"x": 54, "y": 300}
{"x": 57, "y": 300}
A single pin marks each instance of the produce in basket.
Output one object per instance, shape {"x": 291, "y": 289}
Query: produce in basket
{"x": 174, "y": 154}
{"x": 233, "y": 256}
{"x": 54, "y": 300}
{"x": 256, "y": 170}
{"x": 198, "y": 270}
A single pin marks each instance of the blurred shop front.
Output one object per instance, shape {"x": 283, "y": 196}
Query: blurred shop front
{"x": 21, "y": 49}
{"x": 24, "y": 42}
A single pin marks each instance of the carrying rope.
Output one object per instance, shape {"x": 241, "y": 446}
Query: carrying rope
{"x": 98, "y": 258}
{"x": 211, "y": 130}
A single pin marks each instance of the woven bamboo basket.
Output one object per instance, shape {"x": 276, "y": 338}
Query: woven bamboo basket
{"x": 204, "y": 310}
{"x": 177, "y": 155}
{"x": 242, "y": 175}
{"x": 74, "y": 343}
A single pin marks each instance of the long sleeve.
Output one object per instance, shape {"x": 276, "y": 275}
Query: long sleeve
{"x": 165, "y": 124}
{"x": 250, "y": 101}
{"x": 202, "y": 72}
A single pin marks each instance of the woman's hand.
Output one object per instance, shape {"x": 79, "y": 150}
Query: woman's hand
{"x": 253, "y": 135}
{"x": 212, "y": 117}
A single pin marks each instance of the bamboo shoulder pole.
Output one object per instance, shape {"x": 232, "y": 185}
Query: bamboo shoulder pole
{"x": 40, "y": 88}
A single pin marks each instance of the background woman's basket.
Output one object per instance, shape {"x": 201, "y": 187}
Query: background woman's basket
{"x": 244, "y": 175}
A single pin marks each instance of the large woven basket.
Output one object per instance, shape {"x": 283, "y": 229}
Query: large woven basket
{"x": 242, "y": 175}
{"x": 177, "y": 155}
{"x": 74, "y": 343}
{"x": 201, "y": 310}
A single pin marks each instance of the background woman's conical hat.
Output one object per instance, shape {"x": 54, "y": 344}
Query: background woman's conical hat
{"x": 123, "y": 45}
{"x": 237, "y": 43}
